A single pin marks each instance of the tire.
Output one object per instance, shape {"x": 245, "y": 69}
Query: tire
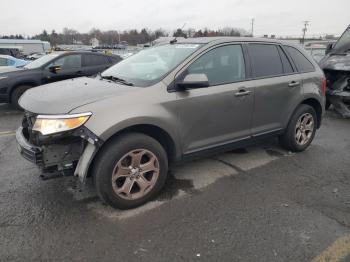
{"x": 116, "y": 157}
{"x": 16, "y": 94}
{"x": 289, "y": 140}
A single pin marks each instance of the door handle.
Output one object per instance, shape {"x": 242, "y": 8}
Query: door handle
{"x": 293, "y": 83}
{"x": 243, "y": 92}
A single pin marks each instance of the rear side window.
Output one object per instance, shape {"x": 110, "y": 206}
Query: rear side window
{"x": 222, "y": 65}
{"x": 115, "y": 59}
{"x": 95, "y": 60}
{"x": 287, "y": 67}
{"x": 301, "y": 62}
{"x": 266, "y": 60}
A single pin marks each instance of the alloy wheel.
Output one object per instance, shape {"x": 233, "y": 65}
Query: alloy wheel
{"x": 304, "y": 129}
{"x": 135, "y": 174}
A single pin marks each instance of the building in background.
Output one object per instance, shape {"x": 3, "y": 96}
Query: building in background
{"x": 27, "y": 47}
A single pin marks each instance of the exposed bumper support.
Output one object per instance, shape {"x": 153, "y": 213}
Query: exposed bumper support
{"x": 28, "y": 151}
{"x": 84, "y": 162}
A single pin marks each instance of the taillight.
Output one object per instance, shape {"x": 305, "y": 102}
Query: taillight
{"x": 324, "y": 86}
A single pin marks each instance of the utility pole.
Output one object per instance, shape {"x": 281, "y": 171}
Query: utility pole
{"x": 306, "y": 23}
{"x": 252, "y": 26}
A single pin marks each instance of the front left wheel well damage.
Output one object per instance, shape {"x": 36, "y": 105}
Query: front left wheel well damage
{"x": 153, "y": 131}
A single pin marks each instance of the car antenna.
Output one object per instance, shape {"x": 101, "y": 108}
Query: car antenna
{"x": 175, "y": 40}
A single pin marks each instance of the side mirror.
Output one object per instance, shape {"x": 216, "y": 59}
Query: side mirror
{"x": 54, "y": 69}
{"x": 329, "y": 48}
{"x": 193, "y": 81}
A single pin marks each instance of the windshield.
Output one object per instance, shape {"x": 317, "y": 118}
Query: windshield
{"x": 41, "y": 61}
{"x": 151, "y": 65}
{"x": 343, "y": 44}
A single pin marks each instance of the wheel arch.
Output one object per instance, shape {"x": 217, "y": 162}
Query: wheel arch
{"x": 156, "y": 132}
{"x": 22, "y": 83}
{"x": 316, "y": 105}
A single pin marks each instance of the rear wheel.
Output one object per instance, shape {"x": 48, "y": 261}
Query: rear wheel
{"x": 130, "y": 170}
{"x": 16, "y": 94}
{"x": 301, "y": 129}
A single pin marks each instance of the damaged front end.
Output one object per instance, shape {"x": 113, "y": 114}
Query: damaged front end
{"x": 336, "y": 66}
{"x": 57, "y": 152}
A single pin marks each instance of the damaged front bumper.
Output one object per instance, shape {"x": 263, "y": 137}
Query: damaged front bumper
{"x": 68, "y": 152}
{"x": 338, "y": 91}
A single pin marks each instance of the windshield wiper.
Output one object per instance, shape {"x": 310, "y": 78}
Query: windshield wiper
{"x": 117, "y": 79}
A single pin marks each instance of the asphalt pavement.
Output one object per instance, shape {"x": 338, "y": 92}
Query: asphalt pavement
{"x": 260, "y": 203}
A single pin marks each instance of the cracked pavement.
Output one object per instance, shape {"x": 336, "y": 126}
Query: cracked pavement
{"x": 255, "y": 204}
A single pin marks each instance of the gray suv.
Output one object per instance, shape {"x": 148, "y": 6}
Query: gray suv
{"x": 169, "y": 103}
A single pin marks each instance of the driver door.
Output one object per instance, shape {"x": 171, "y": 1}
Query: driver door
{"x": 70, "y": 65}
{"x": 221, "y": 113}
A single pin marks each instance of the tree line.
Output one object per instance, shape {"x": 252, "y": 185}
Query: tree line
{"x": 133, "y": 37}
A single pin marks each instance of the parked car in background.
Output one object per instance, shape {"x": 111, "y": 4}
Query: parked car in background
{"x": 11, "y": 51}
{"x": 35, "y": 56}
{"x": 51, "y": 68}
{"x": 6, "y": 60}
{"x": 336, "y": 66}
{"x": 169, "y": 103}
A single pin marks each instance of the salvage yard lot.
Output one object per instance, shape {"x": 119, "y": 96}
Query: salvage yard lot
{"x": 255, "y": 204}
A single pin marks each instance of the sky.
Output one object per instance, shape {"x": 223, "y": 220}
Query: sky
{"x": 279, "y": 17}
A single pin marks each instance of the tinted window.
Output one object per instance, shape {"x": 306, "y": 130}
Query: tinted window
{"x": 221, "y": 65}
{"x": 303, "y": 65}
{"x": 287, "y": 67}
{"x": 115, "y": 59}
{"x": 266, "y": 60}
{"x": 68, "y": 62}
{"x": 95, "y": 60}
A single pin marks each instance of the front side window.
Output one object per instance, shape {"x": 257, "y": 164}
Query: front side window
{"x": 221, "y": 65}
{"x": 151, "y": 65}
{"x": 68, "y": 62}
{"x": 266, "y": 60}
{"x": 301, "y": 62}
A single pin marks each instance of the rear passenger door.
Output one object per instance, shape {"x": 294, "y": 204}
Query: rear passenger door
{"x": 277, "y": 87}
{"x": 94, "y": 63}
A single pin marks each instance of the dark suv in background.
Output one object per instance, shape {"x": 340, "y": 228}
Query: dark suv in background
{"x": 51, "y": 68}
{"x": 170, "y": 103}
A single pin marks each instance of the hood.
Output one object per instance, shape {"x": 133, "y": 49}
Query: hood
{"x": 8, "y": 69}
{"x": 336, "y": 62}
{"x": 62, "y": 97}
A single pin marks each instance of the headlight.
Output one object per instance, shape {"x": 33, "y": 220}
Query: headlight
{"x": 3, "y": 77}
{"x": 51, "y": 124}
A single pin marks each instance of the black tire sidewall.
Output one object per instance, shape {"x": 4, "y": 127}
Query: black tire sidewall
{"x": 16, "y": 94}
{"x": 288, "y": 138}
{"x": 108, "y": 157}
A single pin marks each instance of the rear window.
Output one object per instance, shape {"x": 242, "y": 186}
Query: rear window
{"x": 301, "y": 62}
{"x": 266, "y": 60}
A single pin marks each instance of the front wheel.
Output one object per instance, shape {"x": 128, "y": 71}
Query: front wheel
{"x": 130, "y": 170}
{"x": 301, "y": 129}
